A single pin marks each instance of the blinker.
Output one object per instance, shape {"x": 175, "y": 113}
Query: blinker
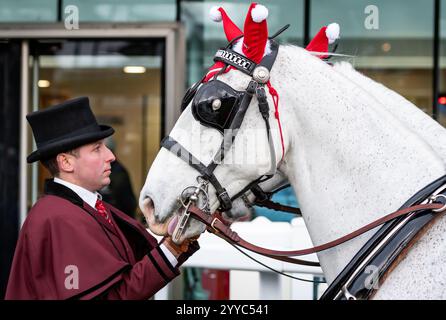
{"x": 215, "y": 104}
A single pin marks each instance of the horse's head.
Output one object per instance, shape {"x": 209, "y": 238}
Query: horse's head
{"x": 202, "y": 130}
{"x": 228, "y": 134}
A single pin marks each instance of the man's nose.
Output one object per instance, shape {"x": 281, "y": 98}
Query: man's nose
{"x": 110, "y": 156}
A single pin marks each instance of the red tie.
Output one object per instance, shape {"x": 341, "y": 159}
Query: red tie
{"x": 102, "y": 211}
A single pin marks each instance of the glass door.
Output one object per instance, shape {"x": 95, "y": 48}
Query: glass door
{"x": 124, "y": 82}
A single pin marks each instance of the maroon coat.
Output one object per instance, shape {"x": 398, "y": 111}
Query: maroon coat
{"x": 65, "y": 250}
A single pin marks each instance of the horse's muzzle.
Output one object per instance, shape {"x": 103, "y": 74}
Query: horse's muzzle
{"x": 148, "y": 210}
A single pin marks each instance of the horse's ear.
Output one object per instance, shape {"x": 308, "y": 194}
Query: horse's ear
{"x": 256, "y": 32}
{"x": 231, "y": 30}
{"x": 326, "y": 35}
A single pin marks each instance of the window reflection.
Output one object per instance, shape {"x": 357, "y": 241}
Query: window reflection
{"x": 392, "y": 42}
{"x": 128, "y": 99}
{"x": 28, "y": 11}
{"x": 124, "y": 11}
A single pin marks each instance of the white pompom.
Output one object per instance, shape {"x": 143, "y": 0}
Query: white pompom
{"x": 332, "y": 32}
{"x": 259, "y": 13}
{"x": 215, "y": 14}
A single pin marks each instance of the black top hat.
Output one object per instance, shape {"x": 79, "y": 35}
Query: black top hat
{"x": 64, "y": 127}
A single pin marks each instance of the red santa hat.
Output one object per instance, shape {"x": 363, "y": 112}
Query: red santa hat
{"x": 231, "y": 30}
{"x": 326, "y": 35}
{"x": 255, "y": 37}
{"x": 256, "y": 32}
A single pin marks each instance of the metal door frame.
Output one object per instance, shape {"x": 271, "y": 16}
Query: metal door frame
{"x": 172, "y": 33}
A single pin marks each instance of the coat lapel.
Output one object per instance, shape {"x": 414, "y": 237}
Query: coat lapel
{"x": 124, "y": 241}
{"x": 59, "y": 190}
{"x": 118, "y": 239}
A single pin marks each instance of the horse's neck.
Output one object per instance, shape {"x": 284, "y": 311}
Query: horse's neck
{"x": 349, "y": 161}
{"x": 414, "y": 118}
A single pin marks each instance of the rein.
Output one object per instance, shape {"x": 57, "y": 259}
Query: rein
{"x": 216, "y": 226}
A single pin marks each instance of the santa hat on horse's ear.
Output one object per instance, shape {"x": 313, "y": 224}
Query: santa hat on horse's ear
{"x": 255, "y": 32}
{"x": 255, "y": 38}
{"x": 326, "y": 35}
{"x": 231, "y": 30}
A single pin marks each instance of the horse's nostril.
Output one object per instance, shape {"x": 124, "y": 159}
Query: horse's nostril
{"x": 148, "y": 205}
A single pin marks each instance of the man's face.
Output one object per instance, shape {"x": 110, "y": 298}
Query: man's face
{"x": 92, "y": 166}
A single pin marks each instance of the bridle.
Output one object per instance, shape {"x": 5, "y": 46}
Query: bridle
{"x": 205, "y": 96}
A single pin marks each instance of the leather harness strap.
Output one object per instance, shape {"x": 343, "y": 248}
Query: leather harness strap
{"x": 216, "y": 226}
{"x": 217, "y": 215}
{"x": 278, "y": 207}
{"x": 263, "y": 199}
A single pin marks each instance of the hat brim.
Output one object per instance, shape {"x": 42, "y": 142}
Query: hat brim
{"x": 70, "y": 143}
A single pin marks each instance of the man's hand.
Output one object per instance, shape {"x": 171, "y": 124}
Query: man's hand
{"x": 178, "y": 250}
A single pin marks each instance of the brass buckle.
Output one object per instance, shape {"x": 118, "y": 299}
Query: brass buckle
{"x": 213, "y": 222}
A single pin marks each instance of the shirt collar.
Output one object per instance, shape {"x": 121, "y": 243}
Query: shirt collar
{"x": 87, "y": 196}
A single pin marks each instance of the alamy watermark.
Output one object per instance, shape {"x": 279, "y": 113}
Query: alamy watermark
{"x": 371, "y": 21}
{"x": 71, "y": 20}
{"x": 72, "y": 278}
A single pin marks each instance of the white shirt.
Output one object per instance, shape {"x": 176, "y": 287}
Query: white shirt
{"x": 91, "y": 197}
{"x": 86, "y": 195}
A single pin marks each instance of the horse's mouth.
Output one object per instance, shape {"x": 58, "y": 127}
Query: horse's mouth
{"x": 167, "y": 227}
{"x": 161, "y": 229}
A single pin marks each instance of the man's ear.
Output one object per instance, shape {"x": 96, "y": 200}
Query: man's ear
{"x": 65, "y": 162}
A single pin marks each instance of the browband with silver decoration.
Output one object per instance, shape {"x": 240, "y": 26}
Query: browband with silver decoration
{"x": 236, "y": 60}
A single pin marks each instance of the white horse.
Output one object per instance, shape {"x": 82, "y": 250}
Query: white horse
{"x": 353, "y": 153}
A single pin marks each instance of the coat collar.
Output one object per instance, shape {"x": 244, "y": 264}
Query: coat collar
{"x": 59, "y": 190}
{"x": 86, "y": 195}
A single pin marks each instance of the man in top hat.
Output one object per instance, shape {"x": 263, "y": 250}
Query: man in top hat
{"x": 72, "y": 244}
